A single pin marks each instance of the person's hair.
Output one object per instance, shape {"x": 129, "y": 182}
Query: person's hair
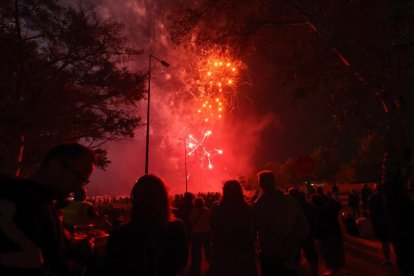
{"x": 79, "y": 194}
{"x": 199, "y": 202}
{"x": 68, "y": 152}
{"x": 150, "y": 203}
{"x": 232, "y": 194}
{"x": 266, "y": 180}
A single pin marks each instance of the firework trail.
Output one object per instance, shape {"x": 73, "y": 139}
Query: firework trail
{"x": 195, "y": 145}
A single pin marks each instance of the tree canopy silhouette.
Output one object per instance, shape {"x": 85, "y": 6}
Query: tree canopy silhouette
{"x": 64, "y": 76}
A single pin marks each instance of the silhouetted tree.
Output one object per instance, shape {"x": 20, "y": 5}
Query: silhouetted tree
{"x": 367, "y": 162}
{"x": 327, "y": 164}
{"x": 64, "y": 76}
{"x": 286, "y": 173}
{"x": 346, "y": 174}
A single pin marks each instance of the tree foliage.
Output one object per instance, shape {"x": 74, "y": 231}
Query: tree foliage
{"x": 327, "y": 164}
{"x": 64, "y": 76}
{"x": 286, "y": 173}
{"x": 367, "y": 162}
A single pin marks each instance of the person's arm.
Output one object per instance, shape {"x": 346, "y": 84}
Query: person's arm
{"x": 30, "y": 255}
{"x": 51, "y": 239}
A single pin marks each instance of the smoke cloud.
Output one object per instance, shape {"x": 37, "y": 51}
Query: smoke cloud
{"x": 172, "y": 115}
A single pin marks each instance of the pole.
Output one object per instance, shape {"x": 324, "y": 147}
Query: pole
{"x": 185, "y": 162}
{"x": 185, "y": 165}
{"x": 166, "y": 64}
{"x": 148, "y": 115}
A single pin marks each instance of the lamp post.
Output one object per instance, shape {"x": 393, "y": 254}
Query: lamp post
{"x": 148, "y": 106}
{"x": 185, "y": 163}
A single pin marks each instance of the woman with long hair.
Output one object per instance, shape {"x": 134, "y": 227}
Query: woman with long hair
{"x": 153, "y": 242}
{"x": 232, "y": 233}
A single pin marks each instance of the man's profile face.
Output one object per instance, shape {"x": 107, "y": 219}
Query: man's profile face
{"x": 73, "y": 174}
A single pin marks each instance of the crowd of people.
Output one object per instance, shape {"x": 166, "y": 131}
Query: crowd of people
{"x": 150, "y": 233}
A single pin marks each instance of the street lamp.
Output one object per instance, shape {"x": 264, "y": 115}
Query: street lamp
{"x": 185, "y": 163}
{"x": 148, "y": 107}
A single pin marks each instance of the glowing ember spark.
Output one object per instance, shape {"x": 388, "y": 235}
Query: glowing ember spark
{"x": 218, "y": 77}
{"x": 196, "y": 145}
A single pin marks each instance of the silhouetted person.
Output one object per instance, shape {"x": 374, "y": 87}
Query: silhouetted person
{"x": 335, "y": 191}
{"x": 328, "y": 232}
{"x": 308, "y": 246}
{"x": 348, "y": 217}
{"x": 398, "y": 207}
{"x": 79, "y": 213}
{"x": 184, "y": 209}
{"x": 353, "y": 203}
{"x": 320, "y": 191}
{"x": 281, "y": 228}
{"x": 200, "y": 236}
{"x": 65, "y": 168}
{"x": 232, "y": 234}
{"x": 366, "y": 192}
{"x": 153, "y": 242}
{"x": 380, "y": 225}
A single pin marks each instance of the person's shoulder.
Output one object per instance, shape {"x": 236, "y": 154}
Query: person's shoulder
{"x": 260, "y": 199}
{"x": 266, "y": 200}
{"x": 22, "y": 189}
{"x": 284, "y": 198}
{"x": 291, "y": 203}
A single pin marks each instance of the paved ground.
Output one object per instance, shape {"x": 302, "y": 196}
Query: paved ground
{"x": 362, "y": 258}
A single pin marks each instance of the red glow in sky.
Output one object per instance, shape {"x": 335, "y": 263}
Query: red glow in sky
{"x": 217, "y": 84}
{"x": 199, "y": 92}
